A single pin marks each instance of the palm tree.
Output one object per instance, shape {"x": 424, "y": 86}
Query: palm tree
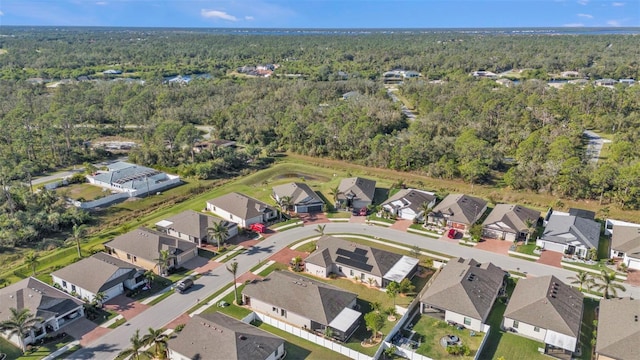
{"x": 21, "y": 323}
{"x": 425, "y": 207}
{"x": 320, "y": 229}
{"x": 163, "y": 261}
{"x": 608, "y": 285}
{"x": 157, "y": 339}
{"x": 77, "y": 235}
{"x": 218, "y": 232}
{"x": 531, "y": 228}
{"x": 31, "y": 260}
{"x": 99, "y": 298}
{"x": 284, "y": 203}
{"x": 393, "y": 288}
{"x": 148, "y": 277}
{"x": 582, "y": 278}
{"x": 135, "y": 350}
{"x": 335, "y": 192}
{"x": 233, "y": 269}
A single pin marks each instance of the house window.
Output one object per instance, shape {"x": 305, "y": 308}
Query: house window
{"x": 351, "y": 272}
{"x": 536, "y": 329}
{"x": 515, "y": 324}
{"x": 73, "y": 288}
{"x": 231, "y": 216}
{"x": 135, "y": 258}
{"x": 467, "y": 321}
{"x": 128, "y": 256}
{"x": 283, "y": 312}
{"x": 276, "y": 353}
{"x": 362, "y": 276}
{"x": 64, "y": 284}
{"x": 339, "y": 269}
{"x": 274, "y": 309}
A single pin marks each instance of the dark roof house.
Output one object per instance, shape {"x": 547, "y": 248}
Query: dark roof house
{"x": 618, "y": 329}
{"x": 407, "y": 203}
{"x": 572, "y": 233}
{"x": 192, "y": 225}
{"x": 509, "y": 222}
{"x": 356, "y": 192}
{"x": 458, "y": 210}
{"x": 303, "y": 198}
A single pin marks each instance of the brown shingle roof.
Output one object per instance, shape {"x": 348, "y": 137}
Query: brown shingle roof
{"x": 146, "y": 244}
{"x": 195, "y": 224}
{"x": 300, "y": 193}
{"x": 95, "y": 273}
{"x": 411, "y": 198}
{"x": 338, "y": 251}
{"x": 217, "y": 336}
{"x": 514, "y": 217}
{"x": 41, "y": 299}
{"x": 357, "y": 188}
{"x": 460, "y": 208}
{"x": 465, "y": 287}
{"x": 241, "y": 205}
{"x": 301, "y": 295}
{"x": 548, "y": 303}
{"x": 627, "y": 240}
{"x": 619, "y": 329}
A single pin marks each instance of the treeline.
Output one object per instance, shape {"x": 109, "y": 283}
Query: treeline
{"x": 150, "y": 54}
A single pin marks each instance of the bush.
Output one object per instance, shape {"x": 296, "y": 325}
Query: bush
{"x": 179, "y": 328}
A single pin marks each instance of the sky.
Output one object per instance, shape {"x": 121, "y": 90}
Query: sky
{"x": 322, "y": 13}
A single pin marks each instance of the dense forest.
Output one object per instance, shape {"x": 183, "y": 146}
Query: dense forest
{"x": 527, "y": 136}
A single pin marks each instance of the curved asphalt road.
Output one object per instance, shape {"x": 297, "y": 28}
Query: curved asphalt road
{"x": 108, "y": 346}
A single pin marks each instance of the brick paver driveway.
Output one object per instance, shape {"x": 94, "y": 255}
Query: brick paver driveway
{"x": 85, "y": 330}
{"x": 495, "y": 245}
{"x": 401, "y": 225}
{"x": 551, "y": 258}
{"x": 633, "y": 277}
{"x": 313, "y": 218}
{"x": 125, "y": 306}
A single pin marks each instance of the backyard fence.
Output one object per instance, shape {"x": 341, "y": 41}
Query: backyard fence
{"x": 318, "y": 340}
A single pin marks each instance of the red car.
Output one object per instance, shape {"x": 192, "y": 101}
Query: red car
{"x": 451, "y": 234}
{"x": 257, "y": 227}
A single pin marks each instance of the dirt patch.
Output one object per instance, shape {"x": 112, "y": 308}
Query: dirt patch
{"x": 495, "y": 245}
{"x": 551, "y": 258}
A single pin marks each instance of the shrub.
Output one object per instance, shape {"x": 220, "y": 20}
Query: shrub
{"x": 179, "y": 328}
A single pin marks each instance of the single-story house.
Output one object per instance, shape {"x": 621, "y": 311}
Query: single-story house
{"x": 465, "y": 291}
{"x": 99, "y": 273}
{"x": 627, "y": 81}
{"x": 610, "y": 223}
{"x": 55, "y": 307}
{"x": 216, "y": 336}
{"x": 241, "y": 209}
{"x": 192, "y": 226}
{"x": 618, "y": 329}
{"x": 458, "y": 211}
{"x": 344, "y": 258}
{"x": 142, "y": 247}
{"x": 605, "y": 82}
{"x": 303, "y": 198}
{"x": 625, "y": 244}
{"x": 570, "y": 233}
{"x": 407, "y": 203}
{"x": 356, "y": 192}
{"x": 545, "y": 309}
{"x": 305, "y": 303}
{"x": 509, "y": 222}
{"x": 133, "y": 179}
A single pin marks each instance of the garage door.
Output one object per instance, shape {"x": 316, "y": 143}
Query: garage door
{"x": 492, "y": 234}
{"x": 634, "y": 264}
{"x": 509, "y": 236}
{"x": 315, "y": 208}
{"x": 114, "y": 291}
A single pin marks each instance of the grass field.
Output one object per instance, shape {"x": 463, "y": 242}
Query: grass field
{"x": 83, "y": 192}
{"x": 430, "y": 330}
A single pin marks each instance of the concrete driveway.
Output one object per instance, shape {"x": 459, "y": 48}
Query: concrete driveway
{"x": 126, "y": 306}
{"x": 85, "y": 330}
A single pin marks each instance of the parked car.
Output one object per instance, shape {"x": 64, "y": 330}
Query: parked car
{"x": 184, "y": 285}
{"x": 451, "y": 234}
{"x": 360, "y": 212}
{"x": 258, "y": 227}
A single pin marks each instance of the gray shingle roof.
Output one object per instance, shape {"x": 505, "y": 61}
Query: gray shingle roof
{"x": 343, "y": 252}
{"x": 93, "y": 273}
{"x": 241, "y": 205}
{"x": 566, "y": 229}
{"x": 301, "y": 295}
{"x": 130, "y": 176}
{"x": 410, "y": 198}
{"x": 548, "y": 303}
{"x": 514, "y": 217}
{"x": 41, "y": 299}
{"x": 217, "y": 336}
{"x": 146, "y": 244}
{"x": 619, "y": 329}
{"x": 300, "y": 193}
{"x": 357, "y": 188}
{"x": 460, "y": 208}
{"x": 627, "y": 240}
{"x": 195, "y": 224}
{"x": 465, "y": 287}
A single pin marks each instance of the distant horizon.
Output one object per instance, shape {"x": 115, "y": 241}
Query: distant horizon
{"x": 323, "y": 14}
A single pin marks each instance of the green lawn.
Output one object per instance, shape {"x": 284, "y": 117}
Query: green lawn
{"x": 429, "y": 331}
{"x": 232, "y": 310}
{"x": 308, "y": 247}
{"x": 586, "y": 330}
{"x": 526, "y": 249}
{"x": 339, "y": 215}
{"x": 13, "y": 352}
{"x": 83, "y": 192}
{"x": 380, "y": 219}
{"x": 298, "y": 348}
{"x": 39, "y": 352}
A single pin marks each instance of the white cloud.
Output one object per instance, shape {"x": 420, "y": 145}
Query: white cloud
{"x": 574, "y": 25}
{"x": 102, "y": 3}
{"x": 249, "y": 18}
{"x": 586, "y": 16}
{"x": 617, "y": 4}
{"x": 614, "y": 23}
{"x": 217, "y": 14}
{"x": 583, "y": 2}
{"x": 1, "y": 13}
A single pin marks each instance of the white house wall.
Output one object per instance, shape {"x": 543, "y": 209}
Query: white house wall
{"x": 316, "y": 270}
{"x": 526, "y": 330}
{"x": 632, "y": 263}
{"x": 174, "y": 355}
{"x": 290, "y": 318}
{"x": 550, "y": 246}
{"x": 476, "y": 324}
